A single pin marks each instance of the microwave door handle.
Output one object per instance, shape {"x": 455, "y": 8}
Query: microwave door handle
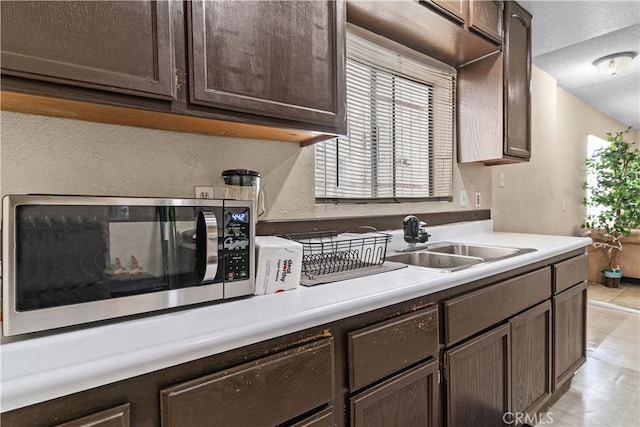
{"x": 207, "y": 245}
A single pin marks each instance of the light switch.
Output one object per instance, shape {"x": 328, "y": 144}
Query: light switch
{"x": 463, "y": 198}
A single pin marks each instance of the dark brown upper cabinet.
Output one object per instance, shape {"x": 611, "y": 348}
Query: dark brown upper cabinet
{"x": 251, "y": 69}
{"x": 425, "y": 27}
{"x": 481, "y": 16}
{"x": 283, "y": 59}
{"x": 517, "y": 76}
{"x": 494, "y": 98}
{"x": 116, "y": 46}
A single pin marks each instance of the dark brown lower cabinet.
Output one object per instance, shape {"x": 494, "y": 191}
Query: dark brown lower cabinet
{"x": 570, "y": 342}
{"x": 478, "y": 377}
{"x": 264, "y": 392}
{"x": 531, "y": 358}
{"x": 504, "y": 344}
{"x": 114, "y": 417}
{"x": 408, "y": 399}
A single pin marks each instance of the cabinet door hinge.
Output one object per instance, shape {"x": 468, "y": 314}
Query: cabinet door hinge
{"x": 442, "y": 374}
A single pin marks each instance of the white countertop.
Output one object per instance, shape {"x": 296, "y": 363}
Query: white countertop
{"x": 39, "y": 369}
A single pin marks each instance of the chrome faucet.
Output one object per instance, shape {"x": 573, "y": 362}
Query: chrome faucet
{"x": 413, "y": 231}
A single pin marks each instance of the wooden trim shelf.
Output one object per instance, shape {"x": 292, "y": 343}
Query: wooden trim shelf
{"x": 112, "y": 114}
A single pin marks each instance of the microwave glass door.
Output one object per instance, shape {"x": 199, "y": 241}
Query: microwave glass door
{"x": 74, "y": 254}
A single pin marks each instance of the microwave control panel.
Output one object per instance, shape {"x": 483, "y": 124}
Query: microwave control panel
{"x": 237, "y": 235}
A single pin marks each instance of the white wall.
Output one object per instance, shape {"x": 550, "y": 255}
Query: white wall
{"x": 61, "y": 156}
{"x": 545, "y": 195}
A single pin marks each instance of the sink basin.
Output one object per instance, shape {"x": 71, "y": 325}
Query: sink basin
{"x": 484, "y": 252}
{"x": 435, "y": 260}
{"x": 449, "y": 257}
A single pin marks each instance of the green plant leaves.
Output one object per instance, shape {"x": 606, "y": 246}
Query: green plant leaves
{"x": 615, "y": 193}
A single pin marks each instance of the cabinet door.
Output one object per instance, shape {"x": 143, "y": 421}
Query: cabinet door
{"x": 120, "y": 46}
{"x": 485, "y": 17}
{"x": 478, "y": 376}
{"x": 570, "y": 332}
{"x": 282, "y": 59}
{"x": 531, "y": 358}
{"x": 265, "y": 392}
{"x": 457, "y": 9}
{"x": 408, "y": 399}
{"x": 517, "y": 78}
{"x": 114, "y": 417}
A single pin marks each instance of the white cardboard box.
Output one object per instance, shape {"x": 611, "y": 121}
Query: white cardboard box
{"x": 278, "y": 264}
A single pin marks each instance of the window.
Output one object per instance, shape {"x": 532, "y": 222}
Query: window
{"x": 400, "y": 114}
{"x": 593, "y": 144}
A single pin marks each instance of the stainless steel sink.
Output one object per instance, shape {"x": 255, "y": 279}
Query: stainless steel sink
{"x": 449, "y": 257}
{"x": 484, "y": 252}
{"x": 435, "y": 260}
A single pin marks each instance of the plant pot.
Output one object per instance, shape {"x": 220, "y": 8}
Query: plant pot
{"x": 612, "y": 278}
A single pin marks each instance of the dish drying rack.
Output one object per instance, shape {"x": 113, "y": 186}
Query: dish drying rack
{"x": 328, "y": 252}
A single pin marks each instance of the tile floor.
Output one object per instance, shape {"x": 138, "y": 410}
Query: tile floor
{"x": 627, "y": 295}
{"x": 605, "y": 391}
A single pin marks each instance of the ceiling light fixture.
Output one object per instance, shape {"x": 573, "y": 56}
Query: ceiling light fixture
{"x": 614, "y": 64}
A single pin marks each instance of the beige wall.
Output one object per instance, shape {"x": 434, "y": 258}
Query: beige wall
{"x": 60, "y": 156}
{"x": 545, "y": 195}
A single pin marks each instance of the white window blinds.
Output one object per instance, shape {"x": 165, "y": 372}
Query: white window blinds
{"x": 400, "y": 114}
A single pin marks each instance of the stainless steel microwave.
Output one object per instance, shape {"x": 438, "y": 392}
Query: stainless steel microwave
{"x": 70, "y": 260}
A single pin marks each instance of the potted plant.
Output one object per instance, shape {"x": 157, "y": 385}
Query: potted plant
{"x": 613, "y": 199}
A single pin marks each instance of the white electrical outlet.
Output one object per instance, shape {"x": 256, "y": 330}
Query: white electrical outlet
{"x": 501, "y": 179}
{"x": 203, "y": 192}
{"x": 477, "y": 199}
{"x": 463, "y": 198}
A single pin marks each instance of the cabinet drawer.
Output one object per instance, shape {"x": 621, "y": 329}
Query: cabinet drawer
{"x": 382, "y": 349}
{"x": 475, "y": 311}
{"x": 323, "y": 418}
{"x": 267, "y": 391}
{"x": 114, "y": 417}
{"x": 570, "y": 272}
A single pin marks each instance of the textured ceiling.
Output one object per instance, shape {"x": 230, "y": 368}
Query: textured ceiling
{"x": 569, "y": 35}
